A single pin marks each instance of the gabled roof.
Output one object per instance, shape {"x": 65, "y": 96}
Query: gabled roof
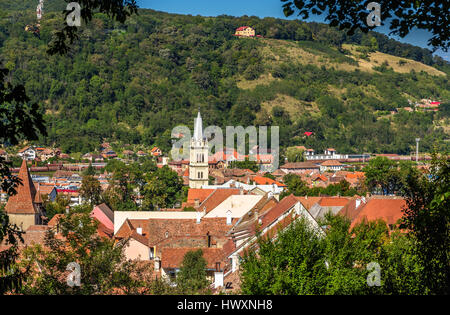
{"x": 308, "y": 202}
{"x": 23, "y": 201}
{"x": 273, "y": 214}
{"x": 107, "y": 211}
{"x": 331, "y": 163}
{"x": 200, "y": 194}
{"x": 24, "y": 149}
{"x": 242, "y": 28}
{"x": 128, "y": 230}
{"x": 350, "y": 210}
{"x": 217, "y": 197}
{"x": 388, "y": 209}
{"x": 334, "y": 201}
{"x": 260, "y": 180}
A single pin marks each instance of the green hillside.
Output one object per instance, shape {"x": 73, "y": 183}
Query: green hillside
{"x": 133, "y": 83}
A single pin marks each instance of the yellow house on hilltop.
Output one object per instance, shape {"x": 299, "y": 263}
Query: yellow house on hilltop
{"x": 245, "y": 31}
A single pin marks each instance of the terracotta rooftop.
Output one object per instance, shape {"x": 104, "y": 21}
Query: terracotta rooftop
{"x": 173, "y": 257}
{"x": 331, "y": 163}
{"x": 390, "y": 210}
{"x": 200, "y": 194}
{"x": 308, "y": 202}
{"x": 217, "y": 197}
{"x": 23, "y": 201}
{"x": 300, "y": 165}
{"x": 333, "y": 201}
{"x": 284, "y": 205}
{"x": 260, "y": 180}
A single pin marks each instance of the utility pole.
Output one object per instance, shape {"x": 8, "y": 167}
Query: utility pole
{"x": 417, "y": 149}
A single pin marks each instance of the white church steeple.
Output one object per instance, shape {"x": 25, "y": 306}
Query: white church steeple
{"x": 198, "y": 128}
{"x": 198, "y": 161}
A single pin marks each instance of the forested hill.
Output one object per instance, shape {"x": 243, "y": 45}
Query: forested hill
{"x": 133, "y": 83}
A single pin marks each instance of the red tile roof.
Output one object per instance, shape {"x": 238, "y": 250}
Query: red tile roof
{"x": 308, "y": 202}
{"x": 242, "y": 28}
{"x": 260, "y": 180}
{"x": 331, "y": 163}
{"x": 173, "y": 257}
{"x": 23, "y": 201}
{"x": 200, "y": 194}
{"x": 217, "y": 197}
{"x": 333, "y": 201}
{"x": 273, "y": 214}
{"x": 390, "y": 210}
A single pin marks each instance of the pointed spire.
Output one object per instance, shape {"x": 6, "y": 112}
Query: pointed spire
{"x": 198, "y": 129}
{"x": 22, "y": 202}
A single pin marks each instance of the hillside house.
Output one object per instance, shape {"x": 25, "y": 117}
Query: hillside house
{"x": 245, "y": 31}
{"x": 27, "y": 153}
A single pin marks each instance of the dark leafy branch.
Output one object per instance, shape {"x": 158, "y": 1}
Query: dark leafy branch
{"x": 404, "y": 15}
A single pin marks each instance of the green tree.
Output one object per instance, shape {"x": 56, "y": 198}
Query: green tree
{"x": 404, "y": 16}
{"x": 295, "y": 185}
{"x": 295, "y": 154}
{"x": 91, "y": 190}
{"x": 163, "y": 188}
{"x": 302, "y": 261}
{"x": 192, "y": 275}
{"x": 10, "y": 235}
{"x": 427, "y": 216}
{"x": 90, "y": 170}
{"x": 103, "y": 267}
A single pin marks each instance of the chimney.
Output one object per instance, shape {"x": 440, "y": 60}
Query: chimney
{"x": 306, "y": 197}
{"x": 199, "y": 217}
{"x": 241, "y": 191}
{"x": 197, "y": 203}
{"x": 139, "y": 230}
{"x": 229, "y": 217}
{"x": 67, "y": 209}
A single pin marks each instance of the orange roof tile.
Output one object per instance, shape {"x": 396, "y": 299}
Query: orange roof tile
{"x": 333, "y": 201}
{"x": 200, "y": 194}
{"x": 308, "y": 202}
{"x": 23, "y": 201}
{"x": 331, "y": 163}
{"x": 390, "y": 210}
{"x": 217, "y": 197}
{"x": 173, "y": 257}
{"x": 260, "y": 180}
{"x": 284, "y": 205}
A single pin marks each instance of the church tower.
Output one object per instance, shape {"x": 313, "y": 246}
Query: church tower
{"x": 198, "y": 157}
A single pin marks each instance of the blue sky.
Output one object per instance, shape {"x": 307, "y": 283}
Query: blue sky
{"x": 260, "y": 8}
